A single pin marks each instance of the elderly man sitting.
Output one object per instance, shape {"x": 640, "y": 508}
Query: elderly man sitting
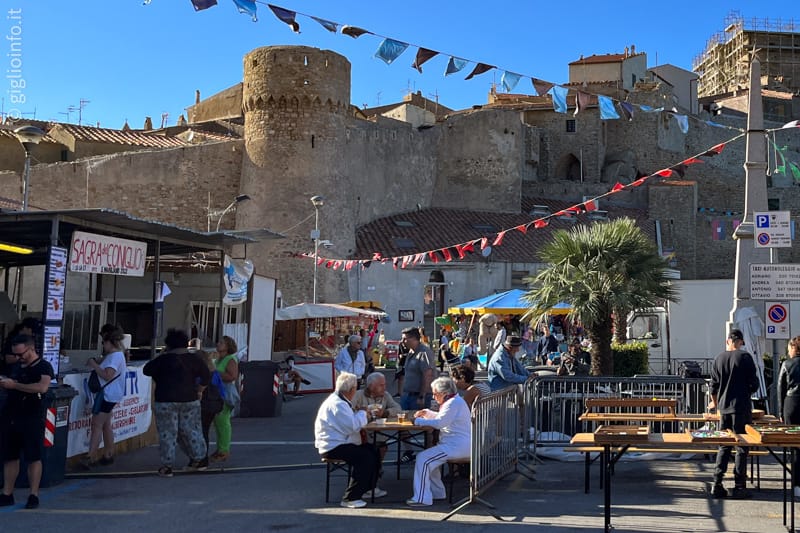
{"x": 452, "y": 421}
{"x": 337, "y": 435}
{"x": 375, "y": 395}
{"x": 504, "y": 368}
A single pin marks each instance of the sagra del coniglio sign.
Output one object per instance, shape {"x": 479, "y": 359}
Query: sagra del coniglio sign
{"x": 101, "y": 254}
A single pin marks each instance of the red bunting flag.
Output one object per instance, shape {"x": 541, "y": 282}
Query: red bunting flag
{"x": 499, "y": 239}
{"x": 337, "y": 264}
{"x": 469, "y": 247}
{"x": 617, "y": 187}
{"x": 541, "y": 223}
{"x": 395, "y": 260}
{"x": 349, "y": 265}
{"x": 460, "y": 251}
{"x": 691, "y": 161}
{"x": 522, "y": 228}
{"x": 639, "y": 181}
{"x": 447, "y": 255}
{"x": 320, "y": 260}
{"x": 329, "y": 264}
{"x": 376, "y": 256}
{"x": 714, "y": 150}
{"x": 664, "y": 173}
{"x": 434, "y": 256}
{"x": 418, "y": 258}
{"x": 591, "y": 205}
{"x": 484, "y": 243}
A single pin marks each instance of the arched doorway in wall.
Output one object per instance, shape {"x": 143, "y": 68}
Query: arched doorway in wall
{"x": 568, "y": 167}
{"x": 433, "y": 303}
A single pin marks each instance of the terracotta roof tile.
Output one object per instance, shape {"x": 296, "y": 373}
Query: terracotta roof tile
{"x": 605, "y": 58}
{"x": 436, "y": 228}
{"x": 110, "y": 136}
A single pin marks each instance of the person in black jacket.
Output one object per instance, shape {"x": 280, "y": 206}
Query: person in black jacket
{"x": 789, "y": 398}
{"x": 180, "y": 379}
{"x": 733, "y": 381}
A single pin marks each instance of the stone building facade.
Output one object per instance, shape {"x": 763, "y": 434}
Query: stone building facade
{"x": 301, "y": 137}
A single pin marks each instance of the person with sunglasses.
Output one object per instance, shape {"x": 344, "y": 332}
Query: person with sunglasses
{"x": 22, "y": 418}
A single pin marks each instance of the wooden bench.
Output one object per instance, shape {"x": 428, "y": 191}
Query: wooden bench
{"x": 587, "y": 451}
{"x": 331, "y": 466}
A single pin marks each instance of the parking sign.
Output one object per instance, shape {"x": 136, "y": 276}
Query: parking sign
{"x": 773, "y": 229}
{"x": 777, "y": 314}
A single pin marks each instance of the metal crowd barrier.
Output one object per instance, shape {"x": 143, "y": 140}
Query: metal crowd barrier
{"x": 552, "y": 404}
{"x": 494, "y": 436}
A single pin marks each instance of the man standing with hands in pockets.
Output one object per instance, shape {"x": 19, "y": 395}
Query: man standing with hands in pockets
{"x": 733, "y": 380}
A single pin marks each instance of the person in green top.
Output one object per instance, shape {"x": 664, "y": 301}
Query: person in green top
{"x": 228, "y": 368}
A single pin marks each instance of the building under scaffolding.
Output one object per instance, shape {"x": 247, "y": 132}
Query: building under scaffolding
{"x": 724, "y": 65}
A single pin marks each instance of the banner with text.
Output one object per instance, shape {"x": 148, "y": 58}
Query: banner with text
{"x": 101, "y": 254}
{"x": 130, "y": 417}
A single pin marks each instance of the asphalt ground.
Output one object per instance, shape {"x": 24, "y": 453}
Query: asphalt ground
{"x": 274, "y": 481}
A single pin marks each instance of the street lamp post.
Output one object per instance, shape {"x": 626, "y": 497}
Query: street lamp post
{"x": 755, "y": 199}
{"x": 29, "y": 136}
{"x": 317, "y": 201}
{"x": 239, "y": 199}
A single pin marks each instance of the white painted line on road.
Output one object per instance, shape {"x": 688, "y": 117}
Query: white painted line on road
{"x": 119, "y": 512}
{"x": 272, "y": 442}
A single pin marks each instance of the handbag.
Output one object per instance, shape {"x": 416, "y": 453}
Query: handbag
{"x": 94, "y": 382}
{"x": 232, "y": 397}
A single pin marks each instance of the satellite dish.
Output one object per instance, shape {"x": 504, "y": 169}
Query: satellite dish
{"x": 486, "y": 252}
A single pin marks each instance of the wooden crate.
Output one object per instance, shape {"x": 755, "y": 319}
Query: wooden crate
{"x": 621, "y": 433}
{"x": 775, "y": 433}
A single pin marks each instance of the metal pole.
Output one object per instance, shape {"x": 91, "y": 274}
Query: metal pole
{"x": 26, "y": 176}
{"x": 316, "y": 249}
{"x": 755, "y": 199}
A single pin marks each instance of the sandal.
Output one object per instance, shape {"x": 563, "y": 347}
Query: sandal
{"x": 218, "y": 457}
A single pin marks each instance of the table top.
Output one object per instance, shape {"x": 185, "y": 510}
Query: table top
{"x": 393, "y": 425}
{"x": 663, "y": 417}
{"x": 669, "y": 440}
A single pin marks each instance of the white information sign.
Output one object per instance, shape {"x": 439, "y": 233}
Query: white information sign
{"x": 101, "y": 254}
{"x": 775, "y": 282}
{"x": 772, "y": 229}
{"x": 777, "y": 314}
{"x": 130, "y": 417}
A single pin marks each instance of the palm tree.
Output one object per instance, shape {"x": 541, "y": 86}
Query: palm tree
{"x": 598, "y": 269}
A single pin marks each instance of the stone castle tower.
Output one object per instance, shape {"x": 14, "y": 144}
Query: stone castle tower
{"x": 296, "y": 101}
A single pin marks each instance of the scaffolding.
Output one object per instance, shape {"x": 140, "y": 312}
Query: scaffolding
{"x": 724, "y": 64}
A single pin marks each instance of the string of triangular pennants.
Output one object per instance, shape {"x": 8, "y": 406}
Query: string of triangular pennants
{"x": 458, "y": 251}
{"x": 390, "y": 49}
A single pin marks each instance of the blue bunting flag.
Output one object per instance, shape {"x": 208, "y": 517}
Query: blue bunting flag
{"x": 454, "y": 65}
{"x": 559, "y": 95}
{"x": 607, "y": 109}
{"x": 389, "y": 50}
{"x": 510, "y": 80}
{"x": 247, "y": 7}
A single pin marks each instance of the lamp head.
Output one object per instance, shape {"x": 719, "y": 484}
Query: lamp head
{"x": 241, "y": 198}
{"x": 29, "y": 136}
{"x": 318, "y": 201}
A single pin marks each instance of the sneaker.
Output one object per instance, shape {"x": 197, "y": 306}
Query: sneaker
{"x": 33, "y": 502}
{"x": 408, "y": 457}
{"x": 719, "y": 492}
{"x": 6, "y": 499}
{"x": 411, "y": 502}
{"x": 741, "y": 493}
{"x": 197, "y": 466}
{"x": 379, "y": 493}
{"x": 353, "y": 504}
{"x": 165, "y": 471}
{"x": 105, "y": 461}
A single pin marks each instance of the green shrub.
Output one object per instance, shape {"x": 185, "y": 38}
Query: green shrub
{"x": 630, "y": 359}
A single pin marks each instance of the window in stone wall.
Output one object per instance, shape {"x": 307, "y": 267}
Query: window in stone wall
{"x": 774, "y": 204}
{"x": 571, "y": 126}
{"x": 517, "y": 277}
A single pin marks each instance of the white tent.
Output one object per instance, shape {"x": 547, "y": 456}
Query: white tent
{"x": 311, "y": 311}
{"x": 747, "y": 320}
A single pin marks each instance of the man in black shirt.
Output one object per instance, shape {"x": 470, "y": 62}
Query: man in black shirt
{"x": 733, "y": 380}
{"x": 22, "y": 418}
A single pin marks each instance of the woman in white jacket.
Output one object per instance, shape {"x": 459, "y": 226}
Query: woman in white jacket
{"x": 453, "y": 422}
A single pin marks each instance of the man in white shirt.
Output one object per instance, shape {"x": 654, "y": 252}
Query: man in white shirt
{"x": 337, "y": 435}
{"x": 351, "y": 358}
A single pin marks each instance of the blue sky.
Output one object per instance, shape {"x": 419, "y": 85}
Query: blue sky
{"x": 131, "y": 60}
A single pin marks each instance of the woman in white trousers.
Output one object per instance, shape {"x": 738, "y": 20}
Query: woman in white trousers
{"x": 453, "y": 422}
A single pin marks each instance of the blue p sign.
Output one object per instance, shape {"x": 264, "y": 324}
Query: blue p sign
{"x": 762, "y": 221}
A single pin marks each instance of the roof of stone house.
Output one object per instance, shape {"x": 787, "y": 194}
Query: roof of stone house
{"x": 111, "y": 136}
{"x": 436, "y": 228}
{"x": 604, "y": 58}
{"x": 415, "y": 99}
{"x": 7, "y": 130}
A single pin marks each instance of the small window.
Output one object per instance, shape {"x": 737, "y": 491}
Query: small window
{"x": 64, "y": 155}
{"x": 633, "y": 80}
{"x": 774, "y": 204}
{"x": 404, "y": 244}
{"x": 517, "y": 279}
{"x": 486, "y": 228}
{"x": 571, "y": 125}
